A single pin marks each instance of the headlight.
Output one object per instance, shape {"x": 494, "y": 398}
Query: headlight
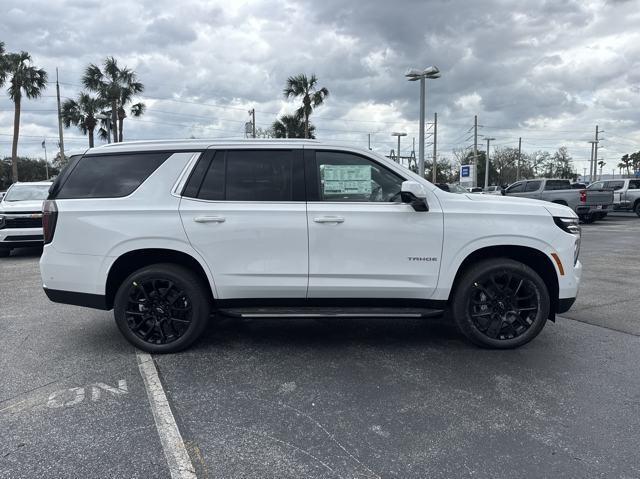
{"x": 571, "y": 226}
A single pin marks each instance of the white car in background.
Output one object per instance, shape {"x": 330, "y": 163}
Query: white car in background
{"x": 21, "y": 216}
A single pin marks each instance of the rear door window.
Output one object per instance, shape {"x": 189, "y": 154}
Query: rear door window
{"x": 634, "y": 185}
{"x": 552, "y": 185}
{"x": 110, "y": 176}
{"x": 247, "y": 175}
{"x": 615, "y": 185}
{"x": 532, "y": 186}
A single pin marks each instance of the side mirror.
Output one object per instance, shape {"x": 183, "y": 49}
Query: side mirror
{"x": 414, "y": 194}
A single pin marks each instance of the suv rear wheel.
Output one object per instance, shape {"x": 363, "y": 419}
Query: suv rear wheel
{"x": 500, "y": 303}
{"x": 4, "y": 252}
{"x": 162, "y": 308}
{"x": 637, "y": 208}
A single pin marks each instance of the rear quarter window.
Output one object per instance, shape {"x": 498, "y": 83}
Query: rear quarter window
{"x": 110, "y": 176}
{"x": 552, "y": 185}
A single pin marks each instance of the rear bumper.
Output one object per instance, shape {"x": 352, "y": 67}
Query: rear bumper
{"x": 95, "y": 301}
{"x": 586, "y": 209}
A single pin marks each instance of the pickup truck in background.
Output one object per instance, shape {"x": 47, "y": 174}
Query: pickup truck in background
{"x": 589, "y": 204}
{"x": 626, "y": 193}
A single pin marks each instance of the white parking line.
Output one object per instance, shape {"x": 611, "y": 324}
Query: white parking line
{"x": 178, "y": 459}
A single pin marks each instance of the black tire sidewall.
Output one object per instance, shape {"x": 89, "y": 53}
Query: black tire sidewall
{"x": 460, "y": 303}
{"x": 192, "y": 287}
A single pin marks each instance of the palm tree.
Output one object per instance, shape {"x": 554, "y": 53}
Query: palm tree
{"x": 625, "y": 163}
{"x": 301, "y": 86}
{"x": 291, "y": 126}
{"x": 82, "y": 113}
{"x": 137, "y": 109}
{"x": 117, "y": 87}
{"x": 24, "y": 79}
{"x": 601, "y": 164}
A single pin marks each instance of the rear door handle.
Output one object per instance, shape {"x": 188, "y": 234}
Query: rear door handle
{"x": 329, "y": 219}
{"x": 209, "y": 219}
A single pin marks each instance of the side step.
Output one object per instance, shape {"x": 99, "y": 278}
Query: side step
{"x": 323, "y": 312}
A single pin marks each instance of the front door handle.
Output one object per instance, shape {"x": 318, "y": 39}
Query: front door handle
{"x": 209, "y": 219}
{"x": 329, "y": 219}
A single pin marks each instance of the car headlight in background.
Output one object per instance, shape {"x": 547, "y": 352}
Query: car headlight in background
{"x": 571, "y": 226}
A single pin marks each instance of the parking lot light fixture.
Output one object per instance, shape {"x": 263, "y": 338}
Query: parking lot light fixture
{"x": 414, "y": 74}
{"x": 398, "y": 134}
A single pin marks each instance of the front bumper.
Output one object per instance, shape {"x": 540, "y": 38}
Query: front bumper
{"x": 21, "y": 237}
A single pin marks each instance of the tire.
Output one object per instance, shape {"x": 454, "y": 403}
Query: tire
{"x": 179, "y": 313}
{"x": 4, "y": 252}
{"x": 508, "y": 321}
{"x": 588, "y": 218}
{"x": 637, "y": 208}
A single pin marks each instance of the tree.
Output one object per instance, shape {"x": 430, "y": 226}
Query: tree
{"x": 601, "y": 164}
{"x": 560, "y": 165}
{"x": 30, "y": 170}
{"x": 115, "y": 86}
{"x": 625, "y": 164}
{"x": 301, "y": 86}
{"x": 24, "y": 79}
{"x": 292, "y": 126}
{"x": 82, "y": 113}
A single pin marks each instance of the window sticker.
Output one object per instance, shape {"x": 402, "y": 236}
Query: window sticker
{"x": 346, "y": 179}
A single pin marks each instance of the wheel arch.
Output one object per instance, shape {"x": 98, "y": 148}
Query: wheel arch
{"x": 133, "y": 260}
{"x": 534, "y": 258}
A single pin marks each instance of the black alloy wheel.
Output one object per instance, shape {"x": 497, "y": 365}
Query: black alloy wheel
{"x": 500, "y": 303}
{"x": 162, "y": 308}
{"x": 504, "y": 304}
{"x": 158, "y": 311}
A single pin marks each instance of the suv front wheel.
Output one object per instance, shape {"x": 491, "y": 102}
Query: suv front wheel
{"x": 162, "y": 308}
{"x": 500, "y": 303}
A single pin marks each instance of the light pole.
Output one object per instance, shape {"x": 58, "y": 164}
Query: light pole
{"x": 106, "y": 116}
{"x": 486, "y": 165}
{"x": 398, "y": 134}
{"x": 46, "y": 161}
{"x": 414, "y": 74}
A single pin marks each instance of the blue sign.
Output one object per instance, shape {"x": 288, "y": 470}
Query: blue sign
{"x": 638, "y": 174}
{"x": 465, "y": 171}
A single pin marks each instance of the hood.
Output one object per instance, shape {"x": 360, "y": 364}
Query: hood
{"x": 554, "y": 209}
{"x": 21, "y": 206}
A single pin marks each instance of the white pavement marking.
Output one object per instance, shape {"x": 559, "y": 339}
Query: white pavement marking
{"x": 178, "y": 459}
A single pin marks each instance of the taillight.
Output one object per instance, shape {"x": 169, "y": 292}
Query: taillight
{"x": 583, "y": 196}
{"x": 49, "y": 219}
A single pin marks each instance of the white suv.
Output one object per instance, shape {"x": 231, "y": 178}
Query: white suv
{"x": 21, "y": 215}
{"x": 167, "y": 232}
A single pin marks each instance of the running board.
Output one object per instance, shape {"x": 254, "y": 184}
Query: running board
{"x": 320, "y": 312}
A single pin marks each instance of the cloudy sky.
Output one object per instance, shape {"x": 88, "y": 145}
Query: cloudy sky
{"x": 546, "y": 71}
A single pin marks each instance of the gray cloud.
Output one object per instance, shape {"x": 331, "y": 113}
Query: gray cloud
{"x": 547, "y": 71}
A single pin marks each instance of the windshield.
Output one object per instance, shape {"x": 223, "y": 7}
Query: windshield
{"x": 27, "y": 193}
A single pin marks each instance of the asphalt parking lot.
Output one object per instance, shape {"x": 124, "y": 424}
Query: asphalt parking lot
{"x": 330, "y": 398}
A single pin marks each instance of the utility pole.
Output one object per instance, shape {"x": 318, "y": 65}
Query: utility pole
{"x": 486, "y": 165}
{"x": 421, "y": 137}
{"x": 252, "y": 112}
{"x": 519, "y": 158}
{"x": 475, "y": 150}
{"x": 595, "y": 154}
{"x": 369, "y": 135}
{"x": 591, "y": 163}
{"x": 61, "y": 142}
{"x": 435, "y": 150}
